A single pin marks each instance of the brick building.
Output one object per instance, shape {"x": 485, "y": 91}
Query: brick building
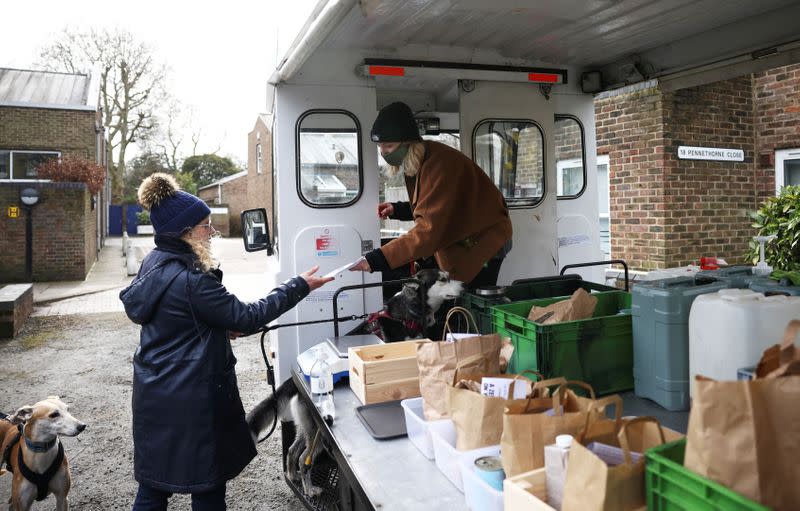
{"x": 666, "y": 211}
{"x": 230, "y": 191}
{"x": 48, "y": 115}
{"x": 260, "y": 178}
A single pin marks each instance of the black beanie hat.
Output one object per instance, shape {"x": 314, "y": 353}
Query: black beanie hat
{"x": 395, "y": 123}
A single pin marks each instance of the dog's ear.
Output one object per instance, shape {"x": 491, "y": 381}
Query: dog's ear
{"x": 410, "y": 289}
{"x": 22, "y": 415}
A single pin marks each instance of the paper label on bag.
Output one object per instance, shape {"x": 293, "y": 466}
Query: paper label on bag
{"x": 450, "y": 337}
{"x": 499, "y": 387}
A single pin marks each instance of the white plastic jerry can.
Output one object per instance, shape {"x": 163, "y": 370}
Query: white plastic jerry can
{"x": 731, "y": 328}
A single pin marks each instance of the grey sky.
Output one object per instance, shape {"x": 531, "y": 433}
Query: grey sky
{"x": 220, "y": 54}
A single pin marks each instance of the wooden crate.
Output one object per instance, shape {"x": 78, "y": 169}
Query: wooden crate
{"x": 526, "y": 492}
{"x": 384, "y": 372}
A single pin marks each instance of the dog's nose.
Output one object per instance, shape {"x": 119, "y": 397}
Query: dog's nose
{"x": 81, "y": 427}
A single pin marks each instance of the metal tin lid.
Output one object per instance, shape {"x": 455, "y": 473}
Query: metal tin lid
{"x": 489, "y": 463}
{"x": 491, "y": 291}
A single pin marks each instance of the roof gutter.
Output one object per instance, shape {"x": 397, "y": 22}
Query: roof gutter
{"x": 326, "y": 17}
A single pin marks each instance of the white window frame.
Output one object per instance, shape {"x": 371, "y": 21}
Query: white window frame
{"x": 567, "y": 164}
{"x": 780, "y": 157}
{"x": 602, "y": 159}
{"x": 11, "y": 153}
{"x": 259, "y": 159}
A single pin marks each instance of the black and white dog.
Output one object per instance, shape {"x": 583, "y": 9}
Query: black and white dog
{"x": 286, "y": 404}
{"x": 405, "y": 315}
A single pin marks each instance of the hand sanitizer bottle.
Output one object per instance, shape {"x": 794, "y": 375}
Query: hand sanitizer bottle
{"x": 322, "y": 387}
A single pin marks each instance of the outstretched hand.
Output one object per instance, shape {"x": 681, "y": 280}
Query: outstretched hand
{"x": 312, "y": 281}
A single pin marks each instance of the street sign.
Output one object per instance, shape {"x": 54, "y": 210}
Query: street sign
{"x": 13, "y": 212}
{"x": 710, "y": 153}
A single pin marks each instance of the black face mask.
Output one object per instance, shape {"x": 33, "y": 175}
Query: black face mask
{"x": 397, "y": 156}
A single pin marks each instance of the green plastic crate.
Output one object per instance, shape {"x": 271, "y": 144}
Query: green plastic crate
{"x": 673, "y": 487}
{"x": 546, "y": 287}
{"x": 598, "y": 350}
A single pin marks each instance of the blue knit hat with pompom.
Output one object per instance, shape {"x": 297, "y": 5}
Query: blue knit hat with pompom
{"x": 172, "y": 211}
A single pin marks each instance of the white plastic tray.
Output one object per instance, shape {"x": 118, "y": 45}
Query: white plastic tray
{"x": 448, "y": 458}
{"x": 477, "y": 492}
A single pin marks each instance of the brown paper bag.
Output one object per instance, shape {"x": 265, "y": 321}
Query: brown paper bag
{"x": 527, "y": 428}
{"x": 591, "y": 485}
{"x": 438, "y": 363}
{"x": 580, "y": 305}
{"x": 478, "y": 419}
{"x": 744, "y": 434}
{"x": 782, "y": 359}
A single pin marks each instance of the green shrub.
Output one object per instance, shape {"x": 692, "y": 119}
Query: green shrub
{"x": 780, "y": 216}
{"x": 143, "y": 217}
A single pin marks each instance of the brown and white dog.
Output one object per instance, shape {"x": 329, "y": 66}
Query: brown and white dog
{"x": 37, "y": 455}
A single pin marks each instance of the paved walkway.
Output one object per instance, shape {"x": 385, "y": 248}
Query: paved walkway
{"x": 248, "y": 275}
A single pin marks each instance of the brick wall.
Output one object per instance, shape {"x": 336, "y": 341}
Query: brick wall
{"x": 234, "y": 194}
{"x": 630, "y": 131}
{"x": 669, "y": 212}
{"x": 708, "y": 202}
{"x": 64, "y": 241}
{"x": 259, "y": 186}
{"x": 777, "y": 116}
{"x": 68, "y": 131}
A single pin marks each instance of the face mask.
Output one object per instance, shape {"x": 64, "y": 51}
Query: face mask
{"x": 397, "y": 156}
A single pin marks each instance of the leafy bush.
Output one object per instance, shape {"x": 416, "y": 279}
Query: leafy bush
{"x": 143, "y": 217}
{"x": 74, "y": 169}
{"x": 780, "y": 216}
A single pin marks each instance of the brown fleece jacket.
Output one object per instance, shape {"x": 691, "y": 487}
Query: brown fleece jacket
{"x": 452, "y": 199}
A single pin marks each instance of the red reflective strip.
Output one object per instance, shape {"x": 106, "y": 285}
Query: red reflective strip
{"x": 387, "y": 70}
{"x": 543, "y": 77}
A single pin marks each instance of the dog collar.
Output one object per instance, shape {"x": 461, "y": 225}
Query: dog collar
{"x": 38, "y": 446}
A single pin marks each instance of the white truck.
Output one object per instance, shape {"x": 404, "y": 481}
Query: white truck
{"x": 512, "y": 84}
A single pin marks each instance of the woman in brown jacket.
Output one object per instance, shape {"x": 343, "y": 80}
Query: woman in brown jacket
{"x": 459, "y": 214}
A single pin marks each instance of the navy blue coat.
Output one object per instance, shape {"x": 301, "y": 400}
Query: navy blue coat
{"x": 189, "y": 429}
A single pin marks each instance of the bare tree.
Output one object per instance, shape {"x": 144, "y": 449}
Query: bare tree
{"x": 176, "y": 122}
{"x": 130, "y": 85}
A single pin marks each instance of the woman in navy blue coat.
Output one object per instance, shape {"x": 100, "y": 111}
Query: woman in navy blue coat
{"x": 189, "y": 429}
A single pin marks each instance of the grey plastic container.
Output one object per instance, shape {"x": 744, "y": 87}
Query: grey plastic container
{"x": 661, "y": 337}
{"x": 736, "y": 276}
{"x": 770, "y": 287}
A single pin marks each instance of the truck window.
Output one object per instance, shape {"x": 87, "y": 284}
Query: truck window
{"x": 329, "y": 165}
{"x": 512, "y": 153}
{"x": 570, "y": 162}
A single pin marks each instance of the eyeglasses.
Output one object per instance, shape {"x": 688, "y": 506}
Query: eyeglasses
{"x": 208, "y": 226}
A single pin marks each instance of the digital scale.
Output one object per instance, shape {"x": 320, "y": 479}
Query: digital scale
{"x": 334, "y": 351}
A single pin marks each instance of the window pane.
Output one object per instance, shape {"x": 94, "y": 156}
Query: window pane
{"x": 791, "y": 172}
{"x": 569, "y": 147}
{"x": 5, "y": 164}
{"x": 602, "y": 187}
{"x": 329, "y": 159}
{"x": 25, "y": 164}
{"x": 259, "y": 164}
{"x": 512, "y": 153}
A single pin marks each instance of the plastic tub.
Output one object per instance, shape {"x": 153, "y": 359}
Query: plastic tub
{"x": 529, "y": 289}
{"x": 736, "y": 276}
{"x": 731, "y": 329}
{"x": 661, "y": 337}
{"x": 448, "y": 458}
{"x": 477, "y": 492}
{"x": 672, "y": 487}
{"x": 418, "y": 428}
{"x": 597, "y": 350}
